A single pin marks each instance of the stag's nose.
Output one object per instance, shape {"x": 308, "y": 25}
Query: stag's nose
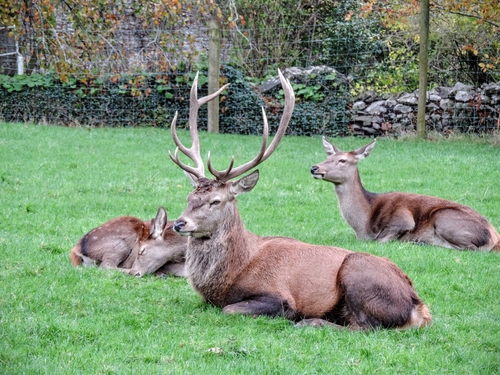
{"x": 179, "y": 225}
{"x": 314, "y": 169}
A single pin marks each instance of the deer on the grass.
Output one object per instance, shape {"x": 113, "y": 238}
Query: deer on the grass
{"x": 401, "y": 216}
{"x": 244, "y": 273}
{"x": 133, "y": 246}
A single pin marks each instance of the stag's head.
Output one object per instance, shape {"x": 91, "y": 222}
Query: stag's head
{"x": 212, "y": 202}
{"x": 340, "y": 166}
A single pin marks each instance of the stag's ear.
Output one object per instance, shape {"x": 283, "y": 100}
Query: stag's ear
{"x": 192, "y": 178}
{"x": 158, "y": 223}
{"x": 329, "y": 147}
{"x": 364, "y": 151}
{"x": 245, "y": 184}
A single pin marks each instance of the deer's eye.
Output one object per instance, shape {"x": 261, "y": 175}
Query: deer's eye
{"x": 142, "y": 251}
{"x": 214, "y": 202}
{"x": 342, "y": 161}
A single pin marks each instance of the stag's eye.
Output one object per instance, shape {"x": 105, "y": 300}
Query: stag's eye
{"x": 342, "y": 161}
{"x": 215, "y": 203}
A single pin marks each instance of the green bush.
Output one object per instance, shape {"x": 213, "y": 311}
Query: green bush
{"x": 321, "y": 107}
{"x": 151, "y": 100}
{"x": 114, "y": 101}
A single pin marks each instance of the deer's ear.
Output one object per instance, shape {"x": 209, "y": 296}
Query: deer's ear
{"x": 158, "y": 223}
{"x": 245, "y": 184}
{"x": 192, "y": 178}
{"x": 329, "y": 147}
{"x": 364, "y": 151}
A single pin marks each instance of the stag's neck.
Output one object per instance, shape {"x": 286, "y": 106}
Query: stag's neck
{"x": 214, "y": 263}
{"x": 355, "y": 205}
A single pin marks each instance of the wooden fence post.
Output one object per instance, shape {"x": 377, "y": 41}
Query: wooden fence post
{"x": 423, "y": 67}
{"x": 213, "y": 74}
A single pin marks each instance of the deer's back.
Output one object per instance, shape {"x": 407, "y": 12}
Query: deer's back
{"x": 422, "y": 208}
{"x": 118, "y": 235}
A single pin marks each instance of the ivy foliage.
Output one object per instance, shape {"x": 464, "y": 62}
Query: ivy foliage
{"x": 347, "y": 41}
{"x": 23, "y": 81}
{"x": 322, "y": 105}
{"x": 152, "y": 100}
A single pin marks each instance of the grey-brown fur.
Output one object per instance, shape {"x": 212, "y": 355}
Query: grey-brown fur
{"x": 401, "y": 216}
{"x": 134, "y": 246}
{"x": 279, "y": 276}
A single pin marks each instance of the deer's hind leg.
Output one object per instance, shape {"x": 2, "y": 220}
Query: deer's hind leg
{"x": 377, "y": 294}
{"x": 460, "y": 230}
{"x": 115, "y": 254}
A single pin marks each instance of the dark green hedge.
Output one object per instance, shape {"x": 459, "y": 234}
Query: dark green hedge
{"x": 152, "y": 101}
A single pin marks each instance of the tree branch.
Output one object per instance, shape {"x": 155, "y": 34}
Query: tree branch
{"x": 465, "y": 15}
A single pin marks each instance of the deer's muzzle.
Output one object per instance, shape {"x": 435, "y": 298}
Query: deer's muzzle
{"x": 315, "y": 173}
{"x": 179, "y": 225}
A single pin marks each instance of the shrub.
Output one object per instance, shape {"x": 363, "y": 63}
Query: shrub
{"x": 151, "y": 100}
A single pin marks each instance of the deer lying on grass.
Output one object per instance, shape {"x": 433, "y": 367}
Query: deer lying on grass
{"x": 133, "y": 246}
{"x": 401, "y": 216}
{"x": 243, "y": 273}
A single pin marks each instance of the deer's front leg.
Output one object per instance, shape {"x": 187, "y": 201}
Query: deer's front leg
{"x": 400, "y": 222}
{"x": 263, "y": 305}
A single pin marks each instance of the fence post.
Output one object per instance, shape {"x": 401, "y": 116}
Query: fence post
{"x": 213, "y": 74}
{"x": 423, "y": 67}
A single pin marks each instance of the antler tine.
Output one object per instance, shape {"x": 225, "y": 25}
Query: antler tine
{"x": 194, "y": 151}
{"x": 263, "y": 153}
{"x": 174, "y": 134}
{"x": 229, "y": 173}
{"x": 222, "y": 175}
{"x": 285, "y": 117}
{"x": 185, "y": 167}
{"x": 198, "y": 171}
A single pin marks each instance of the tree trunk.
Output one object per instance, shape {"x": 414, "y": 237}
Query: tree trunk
{"x": 213, "y": 74}
{"x": 423, "y": 61}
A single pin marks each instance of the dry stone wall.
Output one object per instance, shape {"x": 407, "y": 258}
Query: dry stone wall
{"x": 461, "y": 108}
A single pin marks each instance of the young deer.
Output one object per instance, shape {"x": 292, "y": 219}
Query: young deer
{"x": 133, "y": 246}
{"x": 401, "y": 216}
{"x": 243, "y": 273}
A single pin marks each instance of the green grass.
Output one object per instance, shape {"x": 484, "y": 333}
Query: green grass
{"x": 58, "y": 183}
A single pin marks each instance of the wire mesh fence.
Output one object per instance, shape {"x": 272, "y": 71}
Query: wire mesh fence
{"x": 348, "y": 80}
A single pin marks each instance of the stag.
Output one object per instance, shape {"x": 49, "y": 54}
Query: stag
{"x": 401, "y": 216}
{"x": 244, "y": 273}
{"x": 134, "y": 246}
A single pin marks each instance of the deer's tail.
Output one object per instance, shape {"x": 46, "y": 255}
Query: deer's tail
{"x": 496, "y": 247}
{"x": 496, "y": 237}
{"x": 76, "y": 259}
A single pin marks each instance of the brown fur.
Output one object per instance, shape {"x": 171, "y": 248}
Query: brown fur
{"x": 279, "y": 276}
{"x": 401, "y": 216}
{"x": 133, "y": 245}
{"x": 247, "y": 274}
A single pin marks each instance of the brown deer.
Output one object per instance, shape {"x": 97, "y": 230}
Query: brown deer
{"x": 244, "y": 273}
{"x": 133, "y": 246}
{"x": 401, "y": 216}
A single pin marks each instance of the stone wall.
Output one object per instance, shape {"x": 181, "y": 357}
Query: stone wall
{"x": 460, "y": 108}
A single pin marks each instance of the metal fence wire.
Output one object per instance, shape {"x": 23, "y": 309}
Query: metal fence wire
{"x": 347, "y": 80}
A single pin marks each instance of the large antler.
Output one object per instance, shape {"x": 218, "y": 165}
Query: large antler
{"x": 194, "y": 151}
{"x": 264, "y": 153}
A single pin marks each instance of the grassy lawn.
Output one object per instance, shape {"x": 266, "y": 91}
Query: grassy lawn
{"x": 58, "y": 183}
